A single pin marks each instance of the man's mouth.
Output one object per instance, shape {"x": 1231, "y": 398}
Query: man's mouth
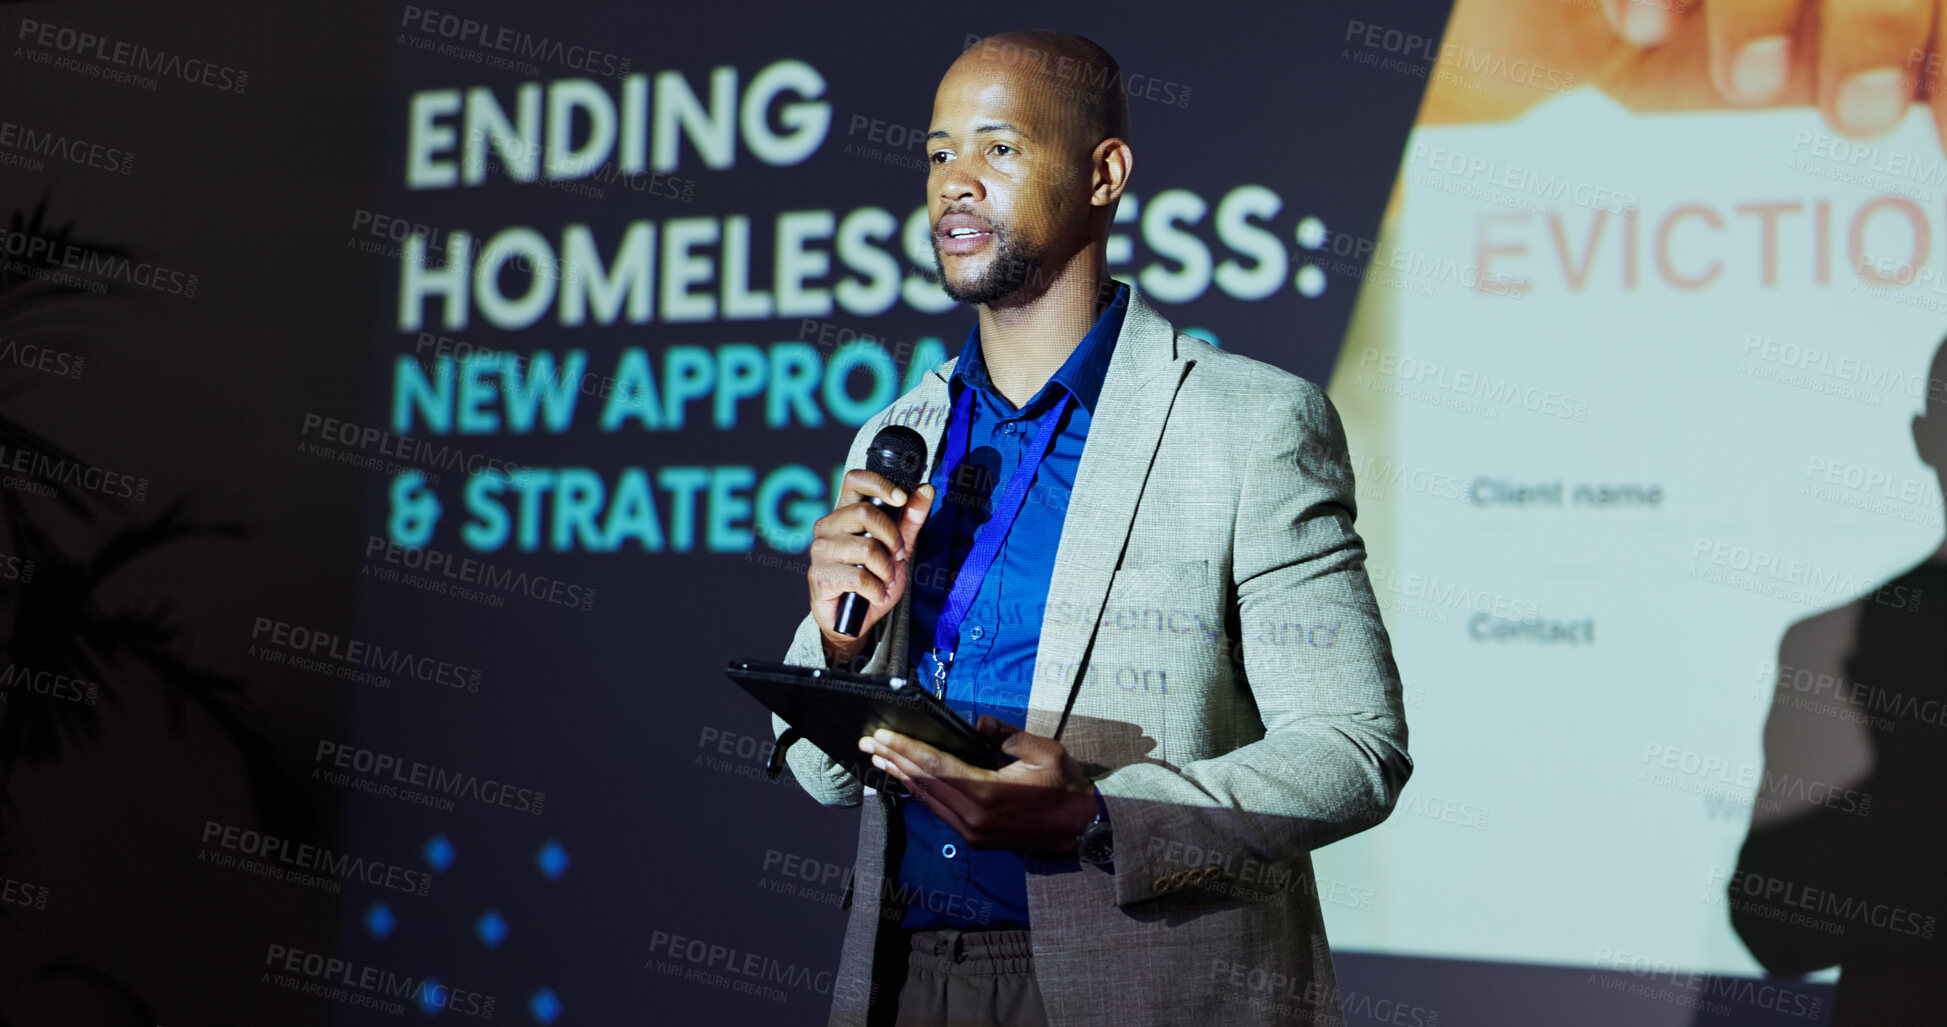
{"x": 962, "y": 234}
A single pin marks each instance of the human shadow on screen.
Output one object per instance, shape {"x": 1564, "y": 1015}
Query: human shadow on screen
{"x": 1845, "y": 862}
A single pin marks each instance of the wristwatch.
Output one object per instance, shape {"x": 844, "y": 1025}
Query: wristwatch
{"x": 1096, "y": 844}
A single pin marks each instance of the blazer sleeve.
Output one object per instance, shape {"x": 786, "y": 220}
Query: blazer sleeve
{"x": 1333, "y": 757}
{"x": 820, "y": 775}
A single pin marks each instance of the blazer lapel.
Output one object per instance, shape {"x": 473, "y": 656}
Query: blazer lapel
{"x": 1141, "y": 384}
{"x": 1143, "y": 377}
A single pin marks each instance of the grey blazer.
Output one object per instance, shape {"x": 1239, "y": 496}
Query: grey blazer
{"x": 1212, "y": 654}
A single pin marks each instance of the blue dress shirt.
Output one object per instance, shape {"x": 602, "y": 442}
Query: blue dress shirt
{"x": 944, "y": 881}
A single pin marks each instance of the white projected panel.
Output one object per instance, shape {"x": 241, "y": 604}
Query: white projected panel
{"x": 1628, "y": 451}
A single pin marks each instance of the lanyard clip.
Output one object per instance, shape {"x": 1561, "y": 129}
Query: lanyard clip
{"x": 939, "y": 671}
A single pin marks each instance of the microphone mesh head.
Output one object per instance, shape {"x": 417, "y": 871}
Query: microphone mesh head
{"x": 899, "y": 454}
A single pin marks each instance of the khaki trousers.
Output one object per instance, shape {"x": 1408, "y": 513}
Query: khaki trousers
{"x": 960, "y": 978}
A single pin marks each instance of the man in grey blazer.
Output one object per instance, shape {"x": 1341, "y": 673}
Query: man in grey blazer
{"x": 1212, "y": 694}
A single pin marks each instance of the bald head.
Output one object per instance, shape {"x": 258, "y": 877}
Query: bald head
{"x": 1074, "y": 76}
{"x": 1027, "y": 159}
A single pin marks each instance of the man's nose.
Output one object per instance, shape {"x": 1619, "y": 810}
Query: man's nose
{"x": 957, "y": 185}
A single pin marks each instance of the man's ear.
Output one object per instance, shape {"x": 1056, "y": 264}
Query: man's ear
{"x": 1111, "y": 163}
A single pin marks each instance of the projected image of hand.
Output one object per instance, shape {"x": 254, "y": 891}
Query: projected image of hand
{"x": 1863, "y": 60}
{"x": 1860, "y": 62}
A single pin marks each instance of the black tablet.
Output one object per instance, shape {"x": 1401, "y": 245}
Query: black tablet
{"x": 833, "y": 709}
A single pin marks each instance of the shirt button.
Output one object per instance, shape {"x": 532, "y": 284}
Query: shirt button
{"x": 1008, "y": 428}
{"x": 977, "y": 632}
{"x": 949, "y": 851}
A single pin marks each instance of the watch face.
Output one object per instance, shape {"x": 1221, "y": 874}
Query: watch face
{"x": 1096, "y": 844}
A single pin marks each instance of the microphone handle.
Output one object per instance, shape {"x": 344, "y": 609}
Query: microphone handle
{"x": 853, "y": 607}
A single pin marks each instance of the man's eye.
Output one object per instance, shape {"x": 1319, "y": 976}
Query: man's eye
{"x": 939, "y": 156}
{"x": 1003, "y": 149}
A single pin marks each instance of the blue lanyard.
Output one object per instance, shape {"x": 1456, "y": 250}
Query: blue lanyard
{"x": 966, "y": 584}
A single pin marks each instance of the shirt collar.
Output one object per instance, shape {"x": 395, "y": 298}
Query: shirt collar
{"x": 1081, "y": 374}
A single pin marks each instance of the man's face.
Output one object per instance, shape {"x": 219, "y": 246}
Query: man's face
{"x": 1005, "y": 186}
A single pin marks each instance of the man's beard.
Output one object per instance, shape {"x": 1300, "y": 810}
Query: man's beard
{"x": 1005, "y": 275}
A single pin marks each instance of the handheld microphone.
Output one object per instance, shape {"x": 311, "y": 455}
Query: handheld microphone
{"x": 898, "y": 453}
